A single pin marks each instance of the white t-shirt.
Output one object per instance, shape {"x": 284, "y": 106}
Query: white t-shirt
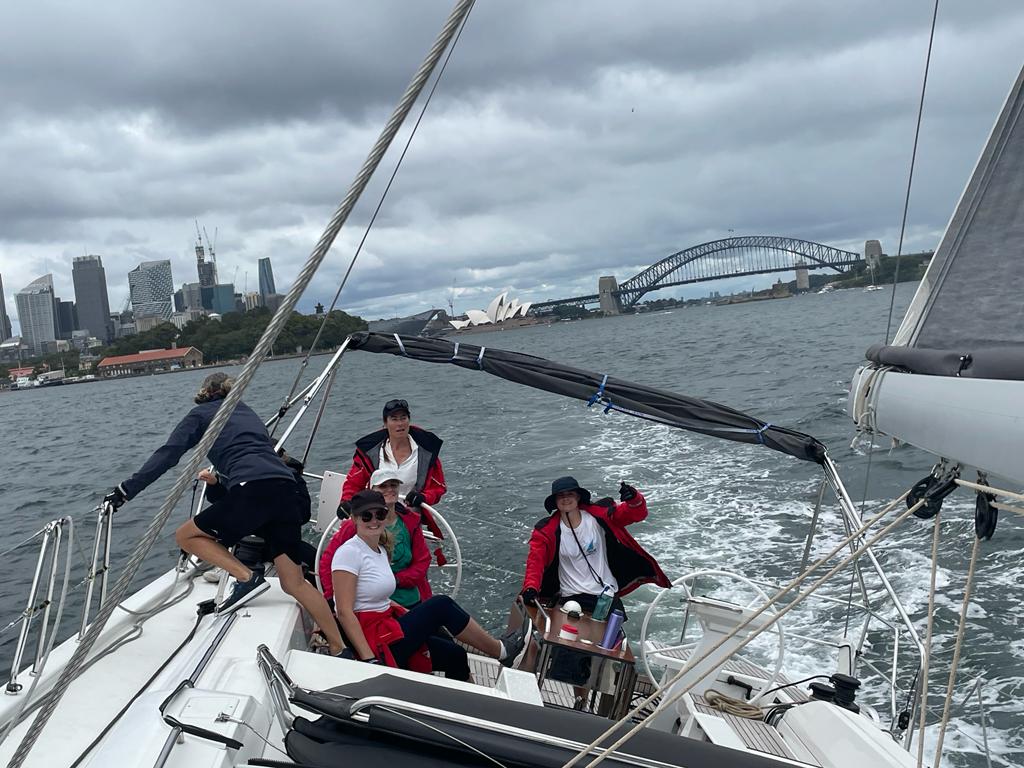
{"x": 573, "y": 573}
{"x": 406, "y": 471}
{"x": 374, "y": 580}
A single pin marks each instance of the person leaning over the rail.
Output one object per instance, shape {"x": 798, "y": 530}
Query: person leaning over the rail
{"x": 261, "y": 500}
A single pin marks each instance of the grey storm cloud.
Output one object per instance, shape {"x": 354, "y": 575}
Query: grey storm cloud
{"x": 566, "y": 141}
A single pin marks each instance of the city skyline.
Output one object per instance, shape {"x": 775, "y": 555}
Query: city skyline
{"x": 148, "y": 283}
{"x": 549, "y": 157}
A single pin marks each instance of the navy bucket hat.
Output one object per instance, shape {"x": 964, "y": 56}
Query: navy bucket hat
{"x": 565, "y": 484}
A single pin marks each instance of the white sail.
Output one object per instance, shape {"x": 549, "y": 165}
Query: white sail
{"x": 953, "y": 380}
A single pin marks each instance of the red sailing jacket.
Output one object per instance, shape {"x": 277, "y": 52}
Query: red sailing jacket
{"x": 381, "y": 628}
{"x": 415, "y": 575}
{"x": 429, "y": 475}
{"x": 629, "y": 562}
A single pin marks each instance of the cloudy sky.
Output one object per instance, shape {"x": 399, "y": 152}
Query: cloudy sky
{"x": 566, "y": 140}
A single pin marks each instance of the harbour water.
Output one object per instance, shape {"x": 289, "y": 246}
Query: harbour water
{"x": 713, "y": 504}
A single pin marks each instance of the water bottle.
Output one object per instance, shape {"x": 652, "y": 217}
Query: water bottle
{"x": 611, "y": 631}
{"x": 603, "y": 604}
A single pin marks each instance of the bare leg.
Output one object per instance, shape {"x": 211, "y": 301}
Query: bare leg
{"x": 191, "y": 538}
{"x": 290, "y": 576}
{"x": 480, "y": 639}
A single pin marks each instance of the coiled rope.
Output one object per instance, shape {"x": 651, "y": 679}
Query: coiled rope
{"x": 259, "y": 353}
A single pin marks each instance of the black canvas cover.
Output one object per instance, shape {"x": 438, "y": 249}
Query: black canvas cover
{"x": 978, "y": 363}
{"x": 609, "y": 393}
{"x": 431, "y": 734}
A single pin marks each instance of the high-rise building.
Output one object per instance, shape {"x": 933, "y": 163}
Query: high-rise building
{"x": 266, "y": 277}
{"x": 36, "y": 315}
{"x": 151, "y": 287}
{"x": 5, "y": 321}
{"x": 219, "y": 298}
{"x": 91, "y": 297}
{"x": 189, "y": 297}
{"x": 207, "y": 269}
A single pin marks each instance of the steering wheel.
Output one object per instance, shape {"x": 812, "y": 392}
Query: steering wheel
{"x": 453, "y": 565}
{"x": 686, "y": 582}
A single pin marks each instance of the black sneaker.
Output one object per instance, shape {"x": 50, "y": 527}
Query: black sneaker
{"x": 243, "y": 592}
{"x": 513, "y": 642}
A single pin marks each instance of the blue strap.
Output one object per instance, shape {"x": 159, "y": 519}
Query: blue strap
{"x": 599, "y": 394}
{"x": 760, "y": 433}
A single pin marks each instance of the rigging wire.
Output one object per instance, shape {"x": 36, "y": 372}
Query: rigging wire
{"x": 369, "y": 226}
{"x": 910, "y": 176}
{"x": 903, "y": 229}
{"x": 270, "y": 334}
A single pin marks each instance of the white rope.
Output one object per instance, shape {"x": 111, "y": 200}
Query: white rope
{"x": 956, "y": 651}
{"x": 270, "y": 334}
{"x": 989, "y": 489}
{"x": 743, "y": 625}
{"x": 732, "y": 706}
{"x": 926, "y": 662}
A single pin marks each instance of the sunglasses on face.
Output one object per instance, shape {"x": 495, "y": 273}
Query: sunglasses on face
{"x": 367, "y": 516}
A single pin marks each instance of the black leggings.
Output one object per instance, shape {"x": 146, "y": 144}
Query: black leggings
{"x": 420, "y": 627}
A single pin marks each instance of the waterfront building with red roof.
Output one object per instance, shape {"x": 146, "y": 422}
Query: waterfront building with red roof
{"x": 150, "y": 361}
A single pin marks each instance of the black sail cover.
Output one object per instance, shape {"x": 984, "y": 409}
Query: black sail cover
{"x": 659, "y": 405}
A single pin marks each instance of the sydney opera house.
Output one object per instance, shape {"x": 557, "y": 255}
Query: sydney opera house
{"x": 498, "y": 311}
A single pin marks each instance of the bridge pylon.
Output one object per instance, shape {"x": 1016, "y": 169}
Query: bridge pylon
{"x": 608, "y": 296}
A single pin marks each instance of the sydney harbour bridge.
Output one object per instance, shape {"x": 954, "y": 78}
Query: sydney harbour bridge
{"x": 715, "y": 260}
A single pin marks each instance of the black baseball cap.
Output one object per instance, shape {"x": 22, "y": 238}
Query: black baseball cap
{"x": 393, "y": 406}
{"x": 367, "y": 501}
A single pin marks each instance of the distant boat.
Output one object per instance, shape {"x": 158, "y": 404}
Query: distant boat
{"x": 829, "y": 288}
{"x": 874, "y": 288}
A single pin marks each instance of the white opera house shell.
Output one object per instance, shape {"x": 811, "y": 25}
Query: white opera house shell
{"x": 498, "y": 311}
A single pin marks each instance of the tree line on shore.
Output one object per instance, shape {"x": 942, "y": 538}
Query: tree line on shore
{"x": 232, "y": 337}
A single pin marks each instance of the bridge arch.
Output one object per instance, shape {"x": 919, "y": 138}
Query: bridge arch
{"x": 748, "y": 255}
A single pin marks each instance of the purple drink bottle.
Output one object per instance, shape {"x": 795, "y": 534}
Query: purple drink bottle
{"x": 611, "y": 631}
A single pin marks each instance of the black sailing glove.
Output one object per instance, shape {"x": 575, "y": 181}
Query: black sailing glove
{"x": 344, "y": 510}
{"x": 116, "y": 498}
{"x": 626, "y": 492}
{"x": 414, "y": 499}
{"x": 529, "y": 596}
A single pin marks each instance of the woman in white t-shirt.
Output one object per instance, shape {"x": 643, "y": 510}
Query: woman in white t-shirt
{"x": 381, "y": 632}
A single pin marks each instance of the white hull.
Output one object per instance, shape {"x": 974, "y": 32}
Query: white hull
{"x": 976, "y": 422}
{"x": 115, "y": 702}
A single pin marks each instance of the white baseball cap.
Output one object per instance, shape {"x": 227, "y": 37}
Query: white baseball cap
{"x": 382, "y": 475}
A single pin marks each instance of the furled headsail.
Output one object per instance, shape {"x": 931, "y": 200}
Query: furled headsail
{"x": 952, "y": 381}
{"x": 610, "y": 393}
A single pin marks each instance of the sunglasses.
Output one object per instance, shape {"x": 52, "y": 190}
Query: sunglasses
{"x": 396, "y": 405}
{"x": 368, "y": 515}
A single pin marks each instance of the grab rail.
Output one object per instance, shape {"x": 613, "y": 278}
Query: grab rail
{"x": 104, "y": 531}
{"x": 53, "y": 534}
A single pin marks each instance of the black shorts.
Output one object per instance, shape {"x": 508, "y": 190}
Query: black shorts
{"x": 264, "y": 508}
